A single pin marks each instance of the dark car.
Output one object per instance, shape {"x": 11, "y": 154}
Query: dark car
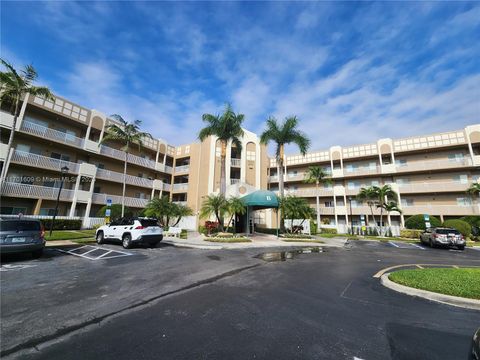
{"x": 475, "y": 351}
{"x": 21, "y": 235}
{"x": 443, "y": 237}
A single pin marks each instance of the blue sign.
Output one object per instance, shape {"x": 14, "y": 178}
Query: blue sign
{"x": 109, "y": 202}
{"x": 108, "y": 212}
{"x": 426, "y": 217}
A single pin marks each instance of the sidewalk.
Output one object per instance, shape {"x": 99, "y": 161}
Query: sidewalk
{"x": 195, "y": 240}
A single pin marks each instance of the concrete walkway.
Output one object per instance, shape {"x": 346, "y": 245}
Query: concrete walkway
{"x": 196, "y": 241}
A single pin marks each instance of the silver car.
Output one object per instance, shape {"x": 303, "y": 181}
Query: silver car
{"x": 443, "y": 237}
{"x": 21, "y": 235}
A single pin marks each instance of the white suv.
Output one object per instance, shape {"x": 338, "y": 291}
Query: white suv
{"x": 131, "y": 231}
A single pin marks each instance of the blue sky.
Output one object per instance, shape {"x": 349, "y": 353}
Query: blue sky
{"x": 352, "y": 72}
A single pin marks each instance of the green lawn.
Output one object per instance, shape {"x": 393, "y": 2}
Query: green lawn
{"x": 227, "y": 240}
{"x": 457, "y": 282}
{"x": 304, "y": 241}
{"x": 69, "y": 234}
{"x": 329, "y": 236}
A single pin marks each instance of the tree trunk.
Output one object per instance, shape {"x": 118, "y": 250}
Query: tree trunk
{"x": 223, "y": 175}
{"x": 318, "y": 207}
{"x": 10, "y": 140}
{"x": 124, "y": 183}
{"x": 381, "y": 221}
{"x": 280, "y": 185}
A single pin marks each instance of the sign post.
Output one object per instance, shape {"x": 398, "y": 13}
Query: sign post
{"x": 426, "y": 217}
{"x": 108, "y": 211}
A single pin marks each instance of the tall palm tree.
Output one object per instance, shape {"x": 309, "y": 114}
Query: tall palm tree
{"x": 385, "y": 195}
{"x": 317, "y": 175}
{"x": 128, "y": 134}
{"x": 14, "y": 85}
{"x": 214, "y": 205}
{"x": 235, "y": 206}
{"x": 474, "y": 190}
{"x": 370, "y": 195}
{"x": 226, "y": 127}
{"x": 284, "y": 134}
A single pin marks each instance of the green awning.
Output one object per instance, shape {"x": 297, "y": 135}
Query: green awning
{"x": 261, "y": 199}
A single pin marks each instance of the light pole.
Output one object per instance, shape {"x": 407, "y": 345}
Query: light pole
{"x": 351, "y": 218}
{"x": 64, "y": 171}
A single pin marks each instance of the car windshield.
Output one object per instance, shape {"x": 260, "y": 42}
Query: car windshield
{"x": 447, "y": 231}
{"x": 148, "y": 222}
{"x": 19, "y": 225}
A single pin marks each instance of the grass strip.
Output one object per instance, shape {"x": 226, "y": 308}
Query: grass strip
{"x": 463, "y": 282}
{"x": 227, "y": 240}
{"x": 69, "y": 234}
{"x": 304, "y": 241}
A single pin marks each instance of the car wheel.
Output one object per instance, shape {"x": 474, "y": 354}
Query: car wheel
{"x": 37, "y": 253}
{"x": 461, "y": 248}
{"x": 100, "y": 238}
{"x": 432, "y": 244}
{"x": 154, "y": 245}
{"x": 127, "y": 241}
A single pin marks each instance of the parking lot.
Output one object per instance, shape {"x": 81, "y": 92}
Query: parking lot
{"x": 77, "y": 301}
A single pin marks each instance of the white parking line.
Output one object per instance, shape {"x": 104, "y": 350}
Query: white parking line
{"x": 115, "y": 253}
{"x": 418, "y": 246}
{"x": 11, "y": 267}
{"x": 392, "y": 243}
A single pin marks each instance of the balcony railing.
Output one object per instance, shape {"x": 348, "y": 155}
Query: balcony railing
{"x": 43, "y": 162}
{"x": 451, "y": 186}
{"x": 234, "y": 181}
{"x": 180, "y": 187}
{"x": 134, "y": 159}
{"x": 35, "y": 191}
{"x": 309, "y": 192}
{"x": 327, "y": 210}
{"x": 184, "y": 203}
{"x": 118, "y": 177}
{"x": 361, "y": 171}
{"x": 236, "y": 162}
{"x": 129, "y": 201}
{"x": 182, "y": 169}
{"x": 447, "y": 210}
{"x": 433, "y": 165}
{"x": 52, "y": 134}
{"x": 167, "y": 187}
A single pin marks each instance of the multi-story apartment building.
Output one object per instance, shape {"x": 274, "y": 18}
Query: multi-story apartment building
{"x": 430, "y": 173}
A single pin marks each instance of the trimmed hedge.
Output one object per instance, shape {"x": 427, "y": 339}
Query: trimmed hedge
{"x": 418, "y": 222}
{"x": 61, "y": 224}
{"x": 473, "y": 220}
{"x": 328, "y": 231}
{"x": 267, "y": 230}
{"x": 313, "y": 227}
{"x": 410, "y": 233}
{"x": 462, "y": 226}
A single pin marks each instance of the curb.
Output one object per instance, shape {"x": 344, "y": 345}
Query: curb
{"x": 192, "y": 246}
{"x": 432, "y": 296}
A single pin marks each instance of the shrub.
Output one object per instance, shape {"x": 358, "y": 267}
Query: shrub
{"x": 389, "y": 232}
{"x": 326, "y": 221}
{"x": 462, "y": 226}
{"x": 61, "y": 224}
{"x": 418, "y": 222}
{"x": 410, "y": 233}
{"x": 266, "y": 230}
{"x": 313, "y": 227}
{"x": 473, "y": 220}
{"x": 328, "y": 231}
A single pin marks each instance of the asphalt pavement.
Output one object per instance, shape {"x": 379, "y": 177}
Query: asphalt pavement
{"x": 170, "y": 303}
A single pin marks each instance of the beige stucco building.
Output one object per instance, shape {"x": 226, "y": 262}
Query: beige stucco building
{"x": 430, "y": 172}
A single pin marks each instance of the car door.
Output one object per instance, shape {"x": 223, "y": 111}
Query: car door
{"x": 113, "y": 229}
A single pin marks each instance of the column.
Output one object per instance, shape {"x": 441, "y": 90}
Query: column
{"x": 38, "y": 206}
{"x": 74, "y": 200}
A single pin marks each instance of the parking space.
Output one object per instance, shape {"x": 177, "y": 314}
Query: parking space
{"x": 94, "y": 253}
{"x": 404, "y": 245}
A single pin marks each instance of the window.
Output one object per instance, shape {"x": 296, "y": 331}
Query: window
{"x": 402, "y": 181}
{"x": 101, "y": 166}
{"x": 58, "y": 156}
{"x": 36, "y": 121}
{"x": 353, "y": 185}
{"x": 351, "y": 168}
{"x": 464, "y": 201}
{"x": 372, "y": 165}
{"x": 96, "y": 189}
{"x": 400, "y": 162}
{"x": 47, "y": 211}
{"x": 329, "y": 204}
{"x": 462, "y": 179}
{"x": 374, "y": 183}
{"x": 9, "y": 210}
{"x": 355, "y": 203}
{"x": 406, "y": 202}
{"x": 23, "y": 148}
{"x": 458, "y": 157}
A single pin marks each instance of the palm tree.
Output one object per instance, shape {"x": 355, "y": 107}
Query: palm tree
{"x": 214, "y": 205}
{"x": 235, "y": 206}
{"x": 226, "y": 127}
{"x": 284, "y": 134}
{"x": 384, "y": 195}
{"x": 370, "y": 195}
{"x": 14, "y": 85}
{"x": 161, "y": 208}
{"x": 474, "y": 190}
{"x": 317, "y": 175}
{"x": 180, "y": 211}
{"x": 294, "y": 207}
{"x": 127, "y": 134}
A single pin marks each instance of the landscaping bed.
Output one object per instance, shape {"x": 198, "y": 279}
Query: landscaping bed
{"x": 303, "y": 240}
{"x": 463, "y": 282}
{"x": 239, "y": 239}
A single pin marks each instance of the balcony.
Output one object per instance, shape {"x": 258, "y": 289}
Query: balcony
{"x": 446, "y": 210}
{"x": 361, "y": 171}
{"x": 236, "y": 162}
{"x": 310, "y": 192}
{"x": 234, "y": 181}
{"x": 182, "y": 169}
{"x": 427, "y": 187}
{"x": 129, "y": 179}
{"x": 43, "y": 162}
{"x": 35, "y": 191}
{"x": 327, "y": 211}
{"x": 129, "y": 201}
{"x": 134, "y": 159}
{"x": 180, "y": 187}
{"x": 365, "y": 210}
{"x": 184, "y": 203}
{"x": 51, "y": 134}
{"x": 6, "y": 119}
{"x": 434, "y": 165}
{"x": 167, "y": 187}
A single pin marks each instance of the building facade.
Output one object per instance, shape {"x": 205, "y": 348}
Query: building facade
{"x": 430, "y": 173}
